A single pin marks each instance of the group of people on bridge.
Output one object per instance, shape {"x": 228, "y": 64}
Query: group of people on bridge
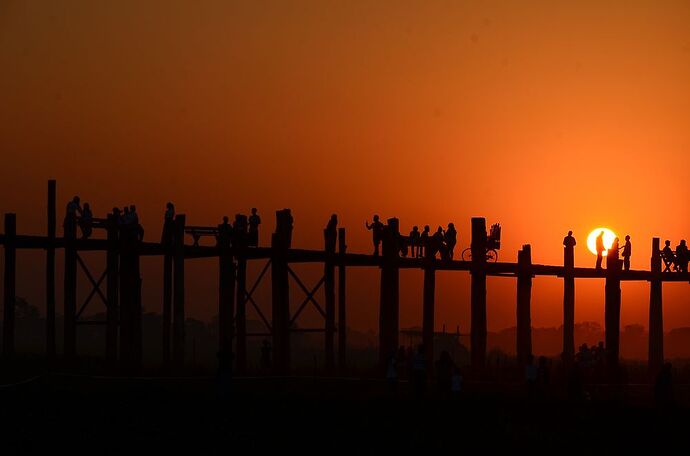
{"x": 80, "y": 216}
{"x": 419, "y": 244}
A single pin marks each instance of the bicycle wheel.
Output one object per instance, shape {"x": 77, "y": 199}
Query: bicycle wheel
{"x": 492, "y": 256}
{"x": 467, "y": 254}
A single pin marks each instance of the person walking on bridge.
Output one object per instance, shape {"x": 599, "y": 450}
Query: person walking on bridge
{"x": 627, "y": 253}
{"x": 254, "y": 222}
{"x": 569, "y": 245}
{"x": 376, "y": 229}
{"x": 600, "y": 248}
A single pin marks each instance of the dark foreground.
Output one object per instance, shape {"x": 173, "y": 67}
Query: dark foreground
{"x": 101, "y": 415}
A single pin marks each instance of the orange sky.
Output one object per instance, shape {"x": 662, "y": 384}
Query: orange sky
{"x": 539, "y": 115}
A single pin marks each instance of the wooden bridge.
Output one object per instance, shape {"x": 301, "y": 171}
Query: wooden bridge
{"x": 122, "y": 295}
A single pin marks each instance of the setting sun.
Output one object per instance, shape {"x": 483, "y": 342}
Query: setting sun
{"x": 609, "y": 236}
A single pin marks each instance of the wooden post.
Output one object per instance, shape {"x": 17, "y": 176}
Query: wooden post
{"x": 524, "y": 296}
{"x": 226, "y": 301}
{"x": 478, "y": 293}
{"x": 241, "y": 314}
{"x": 50, "y": 272}
{"x": 130, "y": 301}
{"x": 342, "y": 309}
{"x": 167, "y": 301}
{"x": 612, "y": 311}
{"x": 280, "y": 297}
{"x": 568, "y": 304}
{"x": 178, "y": 346}
{"x": 429, "y": 295}
{"x": 656, "y": 314}
{"x": 112, "y": 284}
{"x": 329, "y": 287}
{"x": 9, "y": 284}
{"x": 70, "y": 288}
{"x": 389, "y": 308}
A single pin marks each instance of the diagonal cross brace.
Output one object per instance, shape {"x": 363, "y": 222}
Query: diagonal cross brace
{"x": 248, "y": 295}
{"x": 95, "y": 284}
{"x": 309, "y": 298}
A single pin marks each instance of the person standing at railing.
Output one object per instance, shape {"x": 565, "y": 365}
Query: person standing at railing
{"x": 254, "y": 222}
{"x": 627, "y": 253}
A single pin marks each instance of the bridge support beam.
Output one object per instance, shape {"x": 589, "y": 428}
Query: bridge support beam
{"x": 342, "y": 309}
{"x": 478, "y": 293}
{"x": 178, "y": 345}
{"x": 389, "y": 306}
{"x": 70, "y": 289}
{"x": 429, "y": 295}
{"x": 10, "y": 279}
{"x": 524, "y": 296}
{"x": 329, "y": 288}
{"x": 226, "y": 301}
{"x": 112, "y": 284}
{"x": 280, "y": 287}
{"x": 130, "y": 301}
{"x": 612, "y": 312}
{"x": 50, "y": 272}
{"x": 568, "y": 304}
{"x": 241, "y": 314}
{"x": 656, "y": 314}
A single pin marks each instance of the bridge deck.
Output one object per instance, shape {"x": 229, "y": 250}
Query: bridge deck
{"x": 349, "y": 259}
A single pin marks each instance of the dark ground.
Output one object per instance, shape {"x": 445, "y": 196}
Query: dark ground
{"x": 105, "y": 415}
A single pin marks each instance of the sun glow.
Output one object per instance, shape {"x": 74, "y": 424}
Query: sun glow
{"x": 609, "y": 236}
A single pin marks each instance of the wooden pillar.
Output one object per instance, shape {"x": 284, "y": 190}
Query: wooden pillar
{"x": 342, "y": 309}
{"x": 280, "y": 299}
{"x": 130, "y": 301}
{"x": 329, "y": 288}
{"x": 70, "y": 289}
{"x": 524, "y": 296}
{"x": 178, "y": 346}
{"x": 241, "y": 314}
{"x": 656, "y": 315}
{"x": 50, "y": 272}
{"x": 389, "y": 309}
{"x": 112, "y": 284}
{"x": 226, "y": 301}
{"x": 478, "y": 293}
{"x": 612, "y": 311}
{"x": 167, "y": 302}
{"x": 568, "y": 304}
{"x": 428, "y": 304}
{"x": 10, "y": 279}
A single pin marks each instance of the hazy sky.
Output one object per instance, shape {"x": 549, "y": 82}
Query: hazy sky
{"x": 544, "y": 116}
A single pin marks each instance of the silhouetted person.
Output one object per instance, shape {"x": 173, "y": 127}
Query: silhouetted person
{"x": 331, "y": 233}
{"x": 612, "y": 255}
{"x": 168, "y": 223}
{"x": 415, "y": 240}
{"x": 224, "y": 237}
{"x": 86, "y": 221}
{"x": 569, "y": 249}
{"x": 133, "y": 216}
{"x": 424, "y": 241}
{"x": 627, "y": 253}
{"x": 254, "y": 222}
{"x": 663, "y": 386}
{"x": 600, "y": 248}
{"x": 125, "y": 218}
{"x": 239, "y": 231}
{"x": 72, "y": 210}
{"x": 376, "y": 229}
{"x": 451, "y": 238}
{"x": 266, "y": 355}
{"x": 667, "y": 252}
{"x": 438, "y": 244}
{"x": 419, "y": 371}
{"x": 682, "y": 258}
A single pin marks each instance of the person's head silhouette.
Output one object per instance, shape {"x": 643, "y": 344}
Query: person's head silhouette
{"x": 75, "y": 200}
{"x": 415, "y": 228}
{"x": 426, "y": 228}
{"x": 667, "y": 243}
{"x": 253, "y": 211}
{"x": 225, "y": 219}
{"x": 682, "y": 242}
{"x": 627, "y": 237}
{"x": 376, "y": 218}
{"x": 570, "y": 233}
{"x": 132, "y": 208}
{"x": 451, "y": 226}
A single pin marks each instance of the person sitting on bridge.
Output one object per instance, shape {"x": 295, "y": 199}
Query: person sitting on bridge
{"x": 600, "y": 248}
{"x": 376, "y": 228}
{"x": 224, "y": 236}
{"x": 86, "y": 221}
{"x": 682, "y": 257}
{"x": 331, "y": 233}
{"x": 254, "y": 222}
{"x": 667, "y": 254}
{"x": 424, "y": 241}
{"x": 451, "y": 238}
{"x": 413, "y": 239}
{"x": 613, "y": 254}
{"x": 71, "y": 211}
{"x": 627, "y": 253}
